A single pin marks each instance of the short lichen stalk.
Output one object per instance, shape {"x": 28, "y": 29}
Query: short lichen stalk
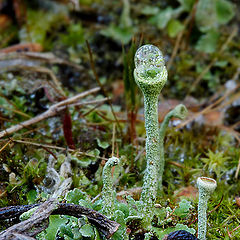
{"x": 206, "y": 187}
{"x": 150, "y": 75}
{"x": 108, "y": 192}
{"x": 180, "y": 111}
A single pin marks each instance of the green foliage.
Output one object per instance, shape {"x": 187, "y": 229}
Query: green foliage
{"x": 87, "y": 231}
{"x": 218, "y": 12}
{"x": 39, "y": 24}
{"x": 85, "y": 161}
{"x": 208, "y": 9}
{"x": 119, "y": 34}
{"x": 225, "y": 11}
{"x": 216, "y": 162}
{"x": 75, "y": 195}
{"x": 32, "y": 196}
{"x": 123, "y": 31}
{"x": 162, "y": 18}
{"x": 186, "y": 4}
{"x": 174, "y": 27}
{"x": 208, "y": 42}
{"x": 55, "y": 222}
{"x": 209, "y": 16}
{"x": 68, "y": 227}
{"x": 74, "y": 36}
{"x": 183, "y": 209}
{"x": 102, "y": 144}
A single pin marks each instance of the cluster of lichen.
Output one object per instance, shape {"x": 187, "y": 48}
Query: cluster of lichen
{"x": 151, "y": 75}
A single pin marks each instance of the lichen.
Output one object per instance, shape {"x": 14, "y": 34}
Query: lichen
{"x": 150, "y": 75}
{"x": 108, "y": 192}
{"x": 180, "y": 111}
{"x": 206, "y": 187}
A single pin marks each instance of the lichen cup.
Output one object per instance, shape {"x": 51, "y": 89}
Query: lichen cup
{"x": 206, "y": 187}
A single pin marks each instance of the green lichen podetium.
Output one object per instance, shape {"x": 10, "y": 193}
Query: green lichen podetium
{"x": 180, "y": 112}
{"x": 206, "y": 187}
{"x": 150, "y": 75}
{"x": 108, "y": 193}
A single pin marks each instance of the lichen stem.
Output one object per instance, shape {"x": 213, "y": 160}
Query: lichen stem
{"x": 162, "y": 133}
{"x": 149, "y": 189}
{"x": 108, "y": 192}
{"x": 202, "y": 215}
{"x": 206, "y": 187}
{"x": 180, "y": 111}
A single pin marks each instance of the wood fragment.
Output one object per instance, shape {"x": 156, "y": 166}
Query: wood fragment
{"x": 53, "y": 110}
{"x": 104, "y": 225}
{"x": 32, "y": 226}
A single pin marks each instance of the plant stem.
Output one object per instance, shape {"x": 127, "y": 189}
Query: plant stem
{"x": 162, "y": 133}
{"x": 202, "y": 215}
{"x": 206, "y": 187}
{"x": 108, "y": 192}
{"x": 149, "y": 189}
{"x": 180, "y": 111}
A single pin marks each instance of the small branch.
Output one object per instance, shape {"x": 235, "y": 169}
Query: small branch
{"x": 53, "y": 110}
{"x": 210, "y": 107}
{"x": 104, "y": 225}
{"x": 177, "y": 43}
{"x": 101, "y": 86}
{"x": 208, "y": 67}
{"x": 32, "y": 226}
{"x": 236, "y": 228}
{"x": 46, "y": 57}
{"x": 238, "y": 169}
{"x": 45, "y": 70}
{"x": 57, "y": 148}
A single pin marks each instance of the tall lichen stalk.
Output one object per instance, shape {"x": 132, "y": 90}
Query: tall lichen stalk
{"x": 150, "y": 75}
{"x": 180, "y": 111}
{"x": 206, "y": 187}
{"x": 108, "y": 192}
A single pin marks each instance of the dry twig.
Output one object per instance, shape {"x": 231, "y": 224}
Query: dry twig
{"x": 53, "y": 110}
{"x": 104, "y": 225}
{"x": 222, "y": 49}
{"x": 46, "y": 146}
{"x": 101, "y": 86}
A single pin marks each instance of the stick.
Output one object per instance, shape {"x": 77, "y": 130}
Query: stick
{"x": 104, "y": 225}
{"x": 101, "y": 86}
{"x": 45, "y": 146}
{"x": 208, "y": 67}
{"x": 53, "y": 110}
{"x": 39, "y": 218}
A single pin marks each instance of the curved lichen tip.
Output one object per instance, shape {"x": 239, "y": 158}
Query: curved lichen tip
{"x": 180, "y": 111}
{"x": 113, "y": 161}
